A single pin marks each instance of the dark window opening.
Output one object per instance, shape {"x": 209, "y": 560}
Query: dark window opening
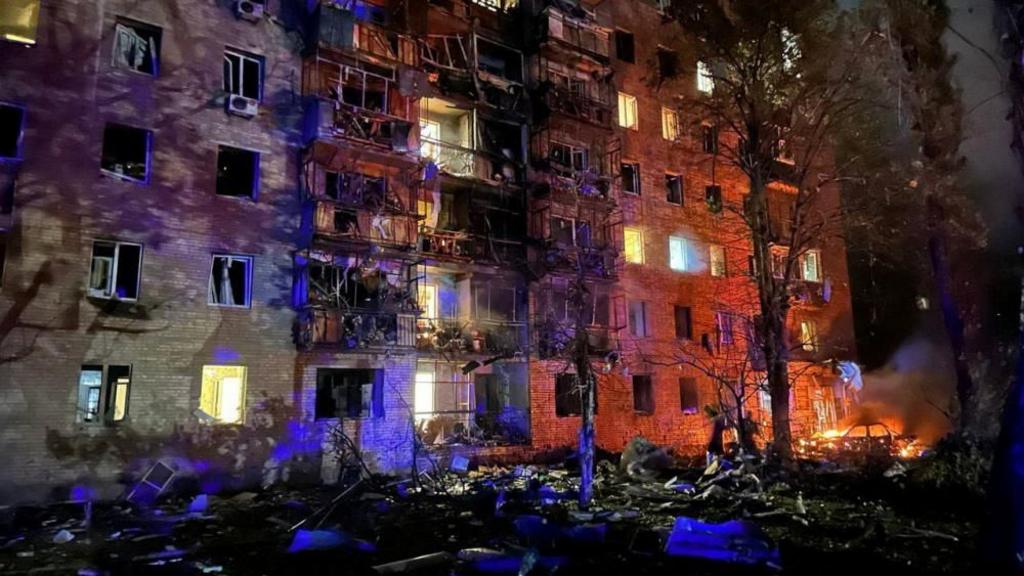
{"x": 243, "y": 74}
{"x": 114, "y": 272}
{"x": 625, "y": 48}
{"x": 684, "y": 322}
{"x": 631, "y": 178}
{"x": 638, "y": 319}
{"x": 643, "y": 394}
{"x": 668, "y": 63}
{"x": 11, "y": 121}
{"x": 344, "y": 393}
{"x": 569, "y": 396}
{"x": 689, "y": 400}
{"x": 500, "y": 61}
{"x": 713, "y": 197}
{"x": 237, "y": 172}
{"x": 137, "y": 46}
{"x": 231, "y": 281}
{"x": 709, "y": 138}
{"x": 355, "y": 188}
{"x": 571, "y": 157}
{"x": 674, "y": 189}
{"x": 126, "y": 152}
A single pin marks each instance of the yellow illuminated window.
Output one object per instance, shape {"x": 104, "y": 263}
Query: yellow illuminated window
{"x": 634, "y": 245}
{"x": 705, "y": 83}
{"x": 669, "y": 124}
{"x": 427, "y": 299}
{"x": 809, "y": 335}
{"x": 627, "y": 111}
{"x": 223, "y": 393}
{"x": 18, "y": 20}
{"x": 424, "y": 396}
{"x": 717, "y": 254}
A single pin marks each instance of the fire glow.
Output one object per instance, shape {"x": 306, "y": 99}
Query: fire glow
{"x": 861, "y": 440}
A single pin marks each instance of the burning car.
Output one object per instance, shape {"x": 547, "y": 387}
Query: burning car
{"x": 859, "y": 443}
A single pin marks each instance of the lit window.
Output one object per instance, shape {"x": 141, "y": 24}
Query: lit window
{"x": 810, "y": 266}
{"x": 427, "y": 299}
{"x": 634, "y": 245}
{"x": 705, "y": 83}
{"x": 115, "y": 270}
{"x": 423, "y": 400}
{"x": 495, "y": 5}
{"x": 222, "y": 396}
{"x": 137, "y": 46}
{"x": 126, "y": 152}
{"x": 18, "y": 20}
{"x": 103, "y": 393}
{"x": 808, "y": 336}
{"x": 717, "y": 258}
{"x": 11, "y": 120}
{"x": 231, "y": 281}
{"x": 627, "y": 111}
{"x": 243, "y": 74}
{"x": 678, "y": 258}
{"x": 430, "y": 136}
{"x": 669, "y": 124}
{"x": 238, "y": 172}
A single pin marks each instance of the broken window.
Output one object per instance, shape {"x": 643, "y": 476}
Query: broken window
{"x": 495, "y": 5}
{"x": 18, "y": 20}
{"x": 723, "y": 328}
{"x": 633, "y": 240}
{"x": 779, "y": 255}
{"x": 643, "y": 394}
{"x": 572, "y": 158}
{"x": 115, "y": 271}
{"x": 136, "y": 46}
{"x": 499, "y": 60}
{"x": 674, "y": 189}
{"x": 638, "y": 319}
{"x": 569, "y": 396}
{"x": 231, "y": 281}
{"x": 222, "y": 395}
{"x": 810, "y": 266}
{"x": 705, "y": 82}
{"x": 126, "y": 152}
{"x": 669, "y": 124}
{"x": 627, "y": 111}
{"x": 103, "y": 394}
{"x": 684, "y": 322}
{"x": 668, "y": 62}
{"x": 716, "y": 253}
{"x": 689, "y": 399}
{"x": 11, "y": 120}
{"x": 809, "y": 335}
{"x": 355, "y": 188}
{"x": 631, "y": 178}
{"x": 678, "y": 253}
{"x": 625, "y": 48}
{"x": 709, "y": 138}
{"x": 346, "y": 393}
{"x": 598, "y": 301}
{"x": 237, "y": 172}
{"x": 243, "y": 74}
{"x": 495, "y": 303}
{"x": 713, "y": 197}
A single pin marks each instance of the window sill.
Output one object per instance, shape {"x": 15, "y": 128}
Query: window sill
{"x": 129, "y": 71}
{"x": 122, "y": 177}
{"x": 229, "y": 306}
{"x": 643, "y": 413}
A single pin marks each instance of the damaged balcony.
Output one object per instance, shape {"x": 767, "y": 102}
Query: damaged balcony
{"x": 351, "y": 206}
{"x": 492, "y": 235}
{"x": 577, "y": 243}
{"x": 463, "y": 314}
{"x": 568, "y": 25}
{"x": 570, "y": 171}
{"x": 464, "y": 144}
{"x": 355, "y": 303}
{"x": 555, "y": 325}
{"x": 362, "y": 105}
{"x": 488, "y": 406}
{"x": 477, "y": 68}
{"x": 363, "y": 30}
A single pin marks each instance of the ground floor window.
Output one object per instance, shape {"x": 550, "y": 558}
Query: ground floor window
{"x": 103, "y": 393}
{"x": 490, "y": 405}
{"x": 222, "y": 397}
{"x": 348, "y": 393}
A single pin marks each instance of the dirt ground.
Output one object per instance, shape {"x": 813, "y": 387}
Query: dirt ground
{"x": 820, "y": 521}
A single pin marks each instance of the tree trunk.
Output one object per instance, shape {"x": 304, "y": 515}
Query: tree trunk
{"x": 778, "y": 386}
{"x": 954, "y": 325}
{"x": 587, "y": 431}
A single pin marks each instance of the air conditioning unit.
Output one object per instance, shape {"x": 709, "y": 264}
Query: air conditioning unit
{"x": 242, "y": 106}
{"x": 251, "y": 10}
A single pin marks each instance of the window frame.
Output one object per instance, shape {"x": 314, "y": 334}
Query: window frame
{"x": 678, "y": 179}
{"x": 638, "y": 234}
{"x": 107, "y": 402}
{"x": 687, "y": 312}
{"x": 809, "y": 335}
{"x": 244, "y": 393}
{"x": 683, "y": 244}
{"x": 670, "y": 130}
{"x": 722, "y": 268}
{"x": 643, "y": 329}
{"x": 705, "y": 81}
{"x": 693, "y": 410}
{"x": 636, "y": 180}
{"x": 625, "y": 34}
{"x": 243, "y": 56}
{"x": 815, "y": 255}
{"x": 149, "y": 154}
{"x": 724, "y": 329}
{"x": 627, "y": 108}
{"x": 133, "y": 23}
{"x": 645, "y": 380}
{"x": 250, "y": 264}
{"x": 114, "y": 265}
{"x": 19, "y": 142}
{"x": 376, "y": 385}
{"x": 256, "y": 175}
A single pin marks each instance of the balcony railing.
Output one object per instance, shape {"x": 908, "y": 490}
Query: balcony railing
{"x": 567, "y": 185}
{"x": 471, "y": 336}
{"x": 562, "y": 100}
{"x": 555, "y": 337}
{"x": 353, "y": 330}
{"x": 584, "y": 36}
{"x": 456, "y": 160}
{"x": 339, "y": 222}
{"x": 458, "y": 245}
{"x": 333, "y": 119}
{"x": 595, "y": 262}
{"x": 339, "y": 29}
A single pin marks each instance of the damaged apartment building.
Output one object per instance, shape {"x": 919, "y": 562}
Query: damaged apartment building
{"x": 375, "y": 211}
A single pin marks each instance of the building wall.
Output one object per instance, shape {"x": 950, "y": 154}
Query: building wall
{"x": 69, "y": 89}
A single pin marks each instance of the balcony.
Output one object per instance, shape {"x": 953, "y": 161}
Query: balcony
{"x": 578, "y": 34}
{"x": 574, "y": 104}
{"x": 467, "y": 247}
{"x": 344, "y": 30}
{"x": 595, "y": 262}
{"x": 555, "y": 337}
{"x": 353, "y": 330}
{"x": 466, "y": 146}
{"x": 339, "y": 222}
{"x": 454, "y": 337}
